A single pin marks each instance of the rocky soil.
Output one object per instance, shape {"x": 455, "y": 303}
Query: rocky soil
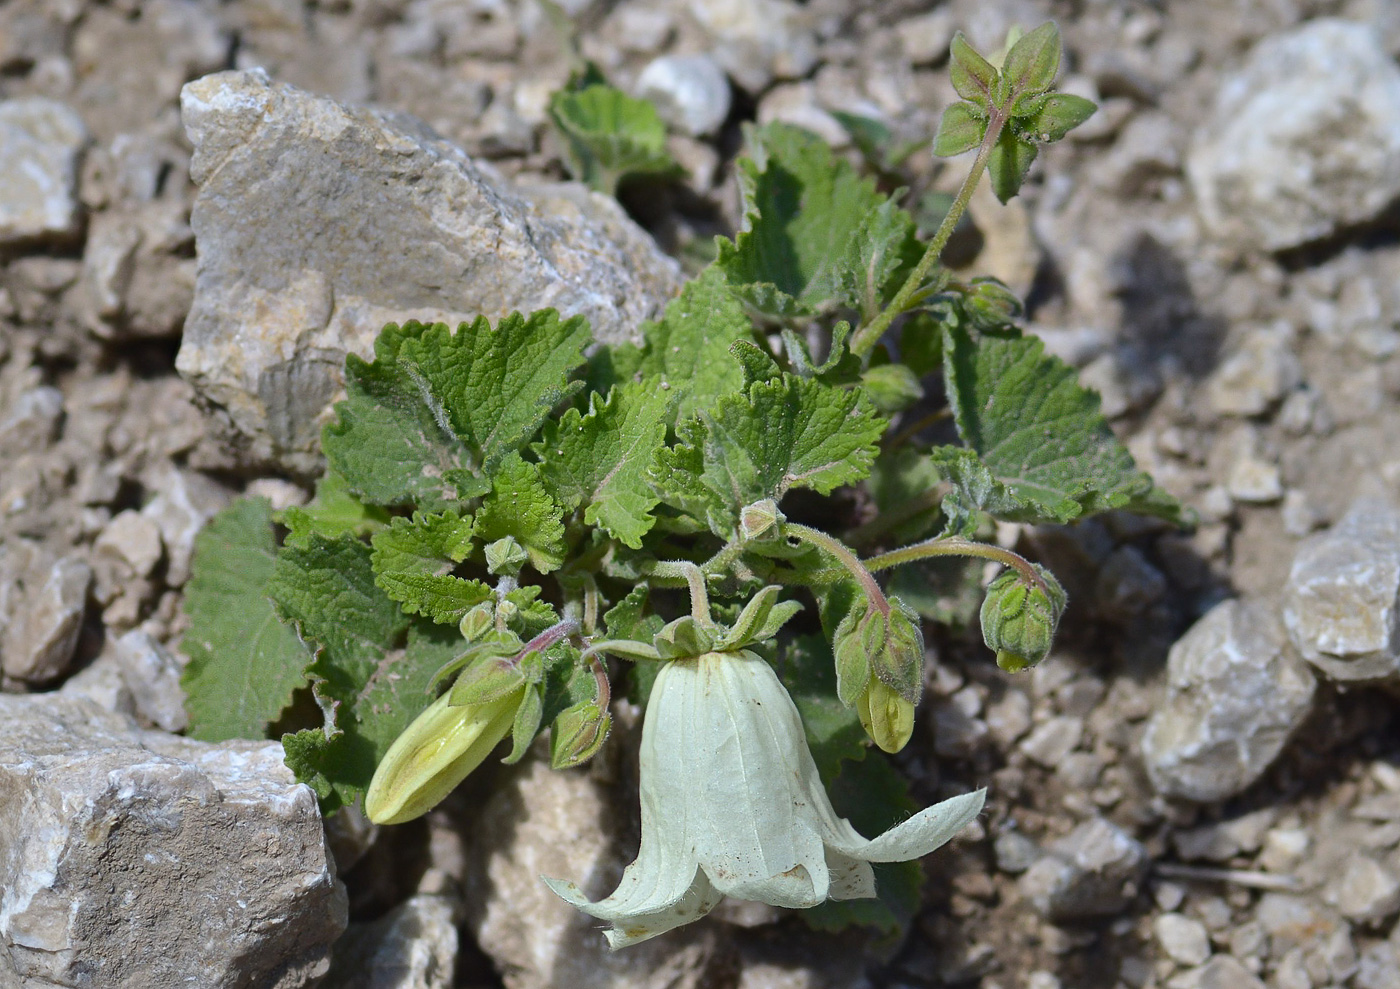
{"x": 1199, "y": 790}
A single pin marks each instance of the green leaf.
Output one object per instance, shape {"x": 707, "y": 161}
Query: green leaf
{"x": 1056, "y": 115}
{"x": 892, "y": 387}
{"x": 977, "y": 490}
{"x": 973, "y": 77}
{"x": 899, "y": 480}
{"x": 1010, "y": 160}
{"x": 600, "y": 460}
{"x": 1040, "y": 434}
{"x": 610, "y": 136}
{"x": 628, "y": 618}
{"x": 413, "y": 560}
{"x": 1030, "y": 66}
{"x": 365, "y": 713}
{"x": 689, "y": 346}
{"x": 805, "y": 206}
{"x": 755, "y": 363}
{"x": 327, "y": 589}
{"x": 435, "y": 412}
{"x": 961, "y": 129}
{"x": 520, "y": 505}
{"x": 878, "y": 258}
{"x": 244, "y": 663}
{"x": 833, "y": 731}
{"x": 334, "y": 510}
{"x": 786, "y": 433}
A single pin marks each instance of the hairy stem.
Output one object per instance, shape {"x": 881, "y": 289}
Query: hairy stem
{"x": 547, "y": 638}
{"x": 695, "y": 577}
{"x": 847, "y": 559}
{"x": 869, "y": 335}
{"x": 957, "y": 546}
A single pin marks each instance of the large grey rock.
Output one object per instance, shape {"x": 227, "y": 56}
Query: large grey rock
{"x": 565, "y": 824}
{"x": 413, "y": 946}
{"x": 1339, "y": 604}
{"x": 316, "y": 223}
{"x": 1235, "y": 693}
{"x": 133, "y": 858}
{"x": 40, "y": 141}
{"x": 1303, "y": 140}
{"x": 1093, "y": 871}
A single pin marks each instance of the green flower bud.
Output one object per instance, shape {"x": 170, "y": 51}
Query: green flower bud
{"x": 859, "y": 635}
{"x": 901, "y": 663}
{"x": 990, "y": 305}
{"x": 579, "y": 732}
{"x": 434, "y": 754}
{"x": 761, "y": 520}
{"x": 505, "y": 557}
{"x": 684, "y": 638}
{"x": 1019, "y": 618}
{"x": 478, "y": 621}
{"x": 886, "y": 716}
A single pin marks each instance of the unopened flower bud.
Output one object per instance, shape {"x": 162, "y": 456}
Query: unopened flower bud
{"x": 761, "y": 520}
{"x": 990, "y": 305}
{"x": 505, "y": 557}
{"x": 886, "y": 716}
{"x": 1019, "y": 618}
{"x": 579, "y": 732}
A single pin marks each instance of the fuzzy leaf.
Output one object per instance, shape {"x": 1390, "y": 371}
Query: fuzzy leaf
{"x": 610, "y": 135}
{"x": 600, "y": 460}
{"x": 877, "y": 259}
{"x": 805, "y": 206}
{"x": 1011, "y": 159}
{"x": 413, "y": 560}
{"x": 785, "y": 433}
{"x": 1048, "y": 451}
{"x": 244, "y": 662}
{"x": 520, "y": 506}
{"x": 333, "y": 511}
{"x": 973, "y": 77}
{"x": 1056, "y": 115}
{"x": 689, "y": 347}
{"x": 1030, "y": 66}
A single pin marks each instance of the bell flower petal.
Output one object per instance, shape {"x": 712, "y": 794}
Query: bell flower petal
{"x": 732, "y": 804}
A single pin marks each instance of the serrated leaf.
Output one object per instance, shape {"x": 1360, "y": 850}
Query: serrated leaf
{"x": 898, "y": 482}
{"x": 1010, "y": 160}
{"x": 1039, "y": 433}
{"x": 792, "y": 432}
{"x": 973, "y": 77}
{"x": 244, "y": 662}
{"x": 334, "y": 510}
{"x": 521, "y": 506}
{"x": 689, "y": 347}
{"x": 805, "y": 206}
{"x": 532, "y": 615}
{"x": 677, "y": 476}
{"x": 892, "y": 387}
{"x": 436, "y": 411}
{"x": 600, "y": 460}
{"x": 755, "y": 363}
{"x": 327, "y": 589}
{"x": 960, "y": 129}
{"x": 610, "y": 135}
{"x": 365, "y": 713}
{"x": 1030, "y": 66}
{"x": 423, "y": 543}
{"x": 442, "y": 598}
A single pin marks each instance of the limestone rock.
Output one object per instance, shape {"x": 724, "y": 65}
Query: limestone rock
{"x": 1257, "y": 375}
{"x": 1093, "y": 871}
{"x": 152, "y": 674}
{"x": 414, "y": 946}
{"x": 540, "y": 822}
{"x": 690, "y": 92}
{"x": 1221, "y": 972}
{"x": 42, "y": 603}
{"x": 757, "y": 41}
{"x": 132, "y": 858}
{"x": 316, "y": 223}
{"x": 1339, "y": 604}
{"x": 1235, "y": 693}
{"x": 1303, "y": 140}
{"x": 40, "y": 140}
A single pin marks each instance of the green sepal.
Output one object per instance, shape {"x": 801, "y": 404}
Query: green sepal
{"x": 1030, "y": 66}
{"x": 1020, "y": 617}
{"x": 684, "y": 638}
{"x": 578, "y": 734}
{"x": 961, "y": 129}
{"x": 491, "y": 678}
{"x": 973, "y": 77}
{"x": 760, "y": 620}
{"x": 526, "y": 724}
{"x": 857, "y": 637}
{"x": 1055, "y": 116}
{"x": 1010, "y": 160}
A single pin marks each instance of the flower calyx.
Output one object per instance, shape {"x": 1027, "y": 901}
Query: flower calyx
{"x": 1020, "y": 617}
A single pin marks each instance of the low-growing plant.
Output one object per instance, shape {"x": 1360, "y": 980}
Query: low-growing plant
{"x": 514, "y": 516}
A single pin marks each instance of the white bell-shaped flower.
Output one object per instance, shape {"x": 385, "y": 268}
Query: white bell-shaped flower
{"x": 732, "y": 805}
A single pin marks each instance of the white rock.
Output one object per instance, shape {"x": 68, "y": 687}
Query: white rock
{"x": 797, "y": 104}
{"x": 42, "y": 603}
{"x": 1185, "y": 940}
{"x": 131, "y": 539}
{"x": 1339, "y": 604}
{"x": 1366, "y": 891}
{"x": 40, "y": 141}
{"x": 1235, "y": 693}
{"x": 1221, "y": 972}
{"x": 1052, "y": 740}
{"x": 1255, "y": 377}
{"x": 926, "y": 37}
{"x": 1093, "y": 871}
{"x": 152, "y": 674}
{"x": 133, "y": 858}
{"x": 757, "y": 41}
{"x": 690, "y": 92}
{"x": 413, "y": 946}
{"x": 184, "y": 501}
{"x": 1303, "y": 140}
{"x": 316, "y": 223}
